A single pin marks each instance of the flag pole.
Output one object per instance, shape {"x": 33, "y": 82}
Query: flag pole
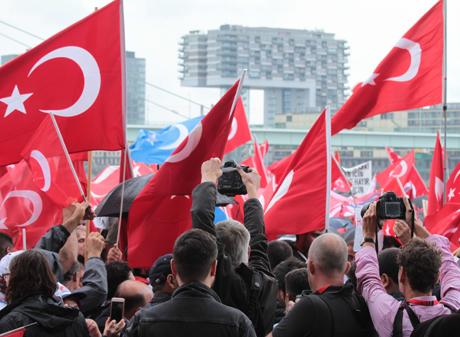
{"x": 24, "y": 238}
{"x": 444, "y": 96}
{"x": 88, "y": 194}
{"x": 328, "y": 166}
{"x": 66, "y": 152}
{"x": 123, "y": 107}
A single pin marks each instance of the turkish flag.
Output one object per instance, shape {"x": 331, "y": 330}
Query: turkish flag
{"x": 453, "y": 186}
{"x": 161, "y": 212}
{"x": 257, "y": 162}
{"x": 299, "y": 204}
{"x": 410, "y": 183}
{"x": 24, "y": 205}
{"x": 409, "y": 77}
{"x": 19, "y": 332}
{"x": 264, "y": 147}
{"x": 104, "y": 182}
{"x": 49, "y": 166}
{"x": 77, "y": 76}
{"x": 239, "y": 132}
{"x": 392, "y": 155}
{"x": 446, "y": 222}
{"x": 436, "y": 193}
{"x": 278, "y": 168}
{"x": 339, "y": 181}
{"x": 341, "y": 206}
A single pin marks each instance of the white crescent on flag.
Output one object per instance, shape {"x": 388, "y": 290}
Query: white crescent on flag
{"x": 91, "y": 78}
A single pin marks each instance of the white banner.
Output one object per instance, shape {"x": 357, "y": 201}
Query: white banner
{"x": 360, "y": 177}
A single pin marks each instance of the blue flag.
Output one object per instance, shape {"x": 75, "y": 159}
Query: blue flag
{"x": 154, "y": 147}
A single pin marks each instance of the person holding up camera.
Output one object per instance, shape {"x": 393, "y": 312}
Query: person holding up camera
{"x": 422, "y": 261}
{"x": 243, "y": 279}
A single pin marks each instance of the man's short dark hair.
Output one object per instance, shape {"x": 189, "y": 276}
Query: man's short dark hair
{"x": 194, "y": 253}
{"x": 296, "y": 282}
{"x": 285, "y": 267}
{"x": 117, "y": 272}
{"x": 278, "y": 251}
{"x": 421, "y": 262}
{"x": 5, "y": 242}
{"x": 388, "y": 263}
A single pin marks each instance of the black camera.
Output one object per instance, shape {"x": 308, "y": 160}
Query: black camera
{"x": 230, "y": 182}
{"x": 389, "y": 206}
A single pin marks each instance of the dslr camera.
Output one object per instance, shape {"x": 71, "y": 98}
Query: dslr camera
{"x": 389, "y": 206}
{"x": 230, "y": 182}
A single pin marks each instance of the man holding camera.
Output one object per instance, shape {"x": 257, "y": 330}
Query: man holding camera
{"x": 243, "y": 279}
{"x": 422, "y": 261}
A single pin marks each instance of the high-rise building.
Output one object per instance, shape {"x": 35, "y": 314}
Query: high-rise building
{"x": 299, "y": 71}
{"x": 135, "y": 89}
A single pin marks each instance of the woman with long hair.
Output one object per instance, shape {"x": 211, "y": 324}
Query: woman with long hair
{"x": 29, "y": 293}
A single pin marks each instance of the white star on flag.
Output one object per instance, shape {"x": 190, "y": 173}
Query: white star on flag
{"x": 370, "y": 80}
{"x": 15, "y": 101}
{"x": 451, "y": 193}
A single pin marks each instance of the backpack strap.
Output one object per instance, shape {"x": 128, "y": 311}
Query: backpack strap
{"x": 397, "y": 323}
{"x": 412, "y": 316}
{"x": 325, "y": 319}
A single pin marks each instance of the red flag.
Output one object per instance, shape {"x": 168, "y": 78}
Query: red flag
{"x": 446, "y": 222}
{"x": 402, "y": 178}
{"x": 104, "y": 183}
{"x": 49, "y": 166}
{"x": 409, "y": 77}
{"x": 338, "y": 158}
{"x": 453, "y": 186}
{"x": 300, "y": 202}
{"x": 161, "y": 211}
{"x": 279, "y": 167}
{"x": 24, "y": 205}
{"x": 257, "y": 162}
{"x": 77, "y": 75}
{"x": 19, "y": 332}
{"x": 239, "y": 133}
{"x": 339, "y": 181}
{"x": 392, "y": 155}
{"x": 264, "y": 148}
{"x": 124, "y": 156}
{"x": 436, "y": 193}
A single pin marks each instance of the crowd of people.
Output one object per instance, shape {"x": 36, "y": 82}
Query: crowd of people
{"x": 228, "y": 280}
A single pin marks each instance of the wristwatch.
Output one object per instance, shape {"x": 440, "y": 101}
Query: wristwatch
{"x": 368, "y": 240}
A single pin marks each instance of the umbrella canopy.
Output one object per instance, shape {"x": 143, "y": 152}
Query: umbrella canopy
{"x": 110, "y": 205}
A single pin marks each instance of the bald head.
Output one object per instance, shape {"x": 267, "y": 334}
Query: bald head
{"x": 329, "y": 253}
{"x": 136, "y": 295}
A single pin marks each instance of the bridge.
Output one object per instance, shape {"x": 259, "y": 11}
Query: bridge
{"x": 354, "y": 139}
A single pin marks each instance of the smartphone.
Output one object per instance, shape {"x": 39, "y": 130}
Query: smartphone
{"x": 117, "y": 309}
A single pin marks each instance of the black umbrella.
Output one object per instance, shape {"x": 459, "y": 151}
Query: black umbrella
{"x": 110, "y": 205}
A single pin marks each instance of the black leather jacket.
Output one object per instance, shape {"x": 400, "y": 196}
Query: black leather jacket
{"x": 193, "y": 310}
{"x": 250, "y": 288}
{"x": 51, "y": 318}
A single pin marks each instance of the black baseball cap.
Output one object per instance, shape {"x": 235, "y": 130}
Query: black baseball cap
{"x": 160, "y": 270}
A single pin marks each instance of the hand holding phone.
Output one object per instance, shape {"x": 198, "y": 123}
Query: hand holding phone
{"x": 117, "y": 309}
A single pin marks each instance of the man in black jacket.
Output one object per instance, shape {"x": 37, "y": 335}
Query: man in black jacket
{"x": 333, "y": 309}
{"x": 194, "y": 309}
{"x": 244, "y": 279}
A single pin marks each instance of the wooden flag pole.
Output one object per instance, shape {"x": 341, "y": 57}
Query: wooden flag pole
{"x": 67, "y": 155}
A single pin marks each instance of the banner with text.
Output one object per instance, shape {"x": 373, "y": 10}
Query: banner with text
{"x": 360, "y": 177}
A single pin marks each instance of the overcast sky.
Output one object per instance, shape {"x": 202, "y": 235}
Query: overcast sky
{"x": 153, "y": 30}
